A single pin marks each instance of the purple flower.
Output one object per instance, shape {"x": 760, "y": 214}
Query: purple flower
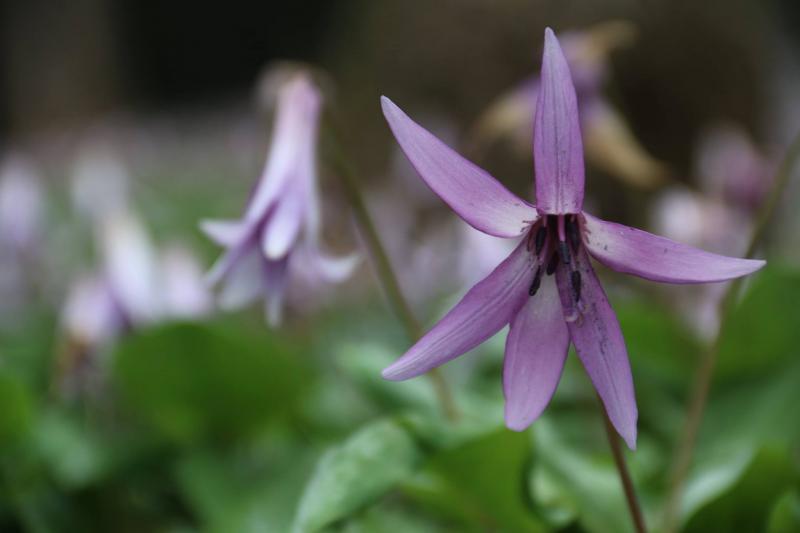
{"x": 546, "y": 289}
{"x": 279, "y": 231}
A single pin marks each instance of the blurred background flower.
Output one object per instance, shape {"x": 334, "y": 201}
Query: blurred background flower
{"x": 279, "y": 232}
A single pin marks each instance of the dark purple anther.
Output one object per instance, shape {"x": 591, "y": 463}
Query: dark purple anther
{"x": 541, "y": 233}
{"x": 576, "y": 284}
{"x": 563, "y": 251}
{"x": 552, "y": 264}
{"x": 537, "y": 281}
{"x": 572, "y": 233}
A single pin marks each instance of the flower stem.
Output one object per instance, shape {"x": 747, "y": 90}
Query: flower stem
{"x": 705, "y": 370}
{"x": 624, "y": 474}
{"x": 385, "y": 272}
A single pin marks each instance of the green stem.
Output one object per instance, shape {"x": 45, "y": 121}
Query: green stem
{"x": 624, "y": 474}
{"x": 705, "y": 370}
{"x": 385, "y": 272}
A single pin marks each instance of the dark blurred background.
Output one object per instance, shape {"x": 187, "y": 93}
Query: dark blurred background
{"x": 66, "y": 63}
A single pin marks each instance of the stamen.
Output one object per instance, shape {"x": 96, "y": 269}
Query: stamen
{"x": 537, "y": 281}
{"x": 561, "y": 236}
{"x": 572, "y": 233}
{"x": 563, "y": 251}
{"x": 552, "y": 264}
{"x": 575, "y": 278}
{"x": 541, "y": 233}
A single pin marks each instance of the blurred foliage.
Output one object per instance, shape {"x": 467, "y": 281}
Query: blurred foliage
{"x": 255, "y": 376}
{"x": 760, "y": 334}
{"x": 226, "y": 426}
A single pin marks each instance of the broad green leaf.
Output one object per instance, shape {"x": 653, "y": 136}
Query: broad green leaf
{"x": 251, "y": 492}
{"x": 481, "y": 484}
{"x": 660, "y": 348}
{"x": 755, "y": 412}
{"x": 74, "y": 454}
{"x": 357, "y": 472}
{"x": 764, "y": 328}
{"x": 785, "y": 514}
{"x": 383, "y": 518}
{"x": 740, "y": 421}
{"x": 747, "y": 505}
{"x": 578, "y": 482}
{"x": 364, "y": 362}
{"x": 198, "y": 380}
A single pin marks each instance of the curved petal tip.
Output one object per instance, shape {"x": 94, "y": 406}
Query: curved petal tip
{"x": 630, "y": 437}
{"x": 393, "y": 372}
{"x": 515, "y": 422}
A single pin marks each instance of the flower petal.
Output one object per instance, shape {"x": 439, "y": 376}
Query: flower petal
{"x": 275, "y": 277}
{"x": 649, "y": 256}
{"x": 224, "y": 232}
{"x": 294, "y": 136}
{"x": 333, "y": 269}
{"x": 131, "y": 266}
{"x": 284, "y": 224}
{"x": 244, "y": 283}
{"x": 598, "y": 340}
{"x": 470, "y": 191}
{"x": 484, "y": 310}
{"x": 231, "y": 256}
{"x": 557, "y": 146}
{"x": 536, "y": 349}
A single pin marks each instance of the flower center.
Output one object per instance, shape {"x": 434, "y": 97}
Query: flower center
{"x": 554, "y": 239}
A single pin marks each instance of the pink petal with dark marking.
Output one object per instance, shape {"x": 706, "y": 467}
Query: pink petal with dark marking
{"x": 596, "y": 335}
{"x": 649, "y": 256}
{"x": 469, "y": 190}
{"x": 484, "y": 310}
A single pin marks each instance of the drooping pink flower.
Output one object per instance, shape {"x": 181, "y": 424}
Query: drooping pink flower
{"x": 546, "y": 289}
{"x": 280, "y": 229}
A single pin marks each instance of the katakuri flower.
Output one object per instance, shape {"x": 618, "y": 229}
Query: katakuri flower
{"x": 280, "y": 229}
{"x": 546, "y": 289}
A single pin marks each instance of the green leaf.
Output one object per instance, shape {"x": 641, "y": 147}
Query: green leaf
{"x": 481, "y": 484}
{"x": 363, "y": 364}
{"x": 575, "y": 481}
{"x": 17, "y": 409}
{"x": 249, "y": 492}
{"x": 785, "y": 514}
{"x": 747, "y": 505}
{"x": 738, "y": 423}
{"x": 762, "y": 331}
{"x": 27, "y": 348}
{"x": 75, "y": 455}
{"x": 383, "y": 518}
{"x": 657, "y": 343}
{"x": 201, "y": 380}
{"x": 357, "y": 472}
